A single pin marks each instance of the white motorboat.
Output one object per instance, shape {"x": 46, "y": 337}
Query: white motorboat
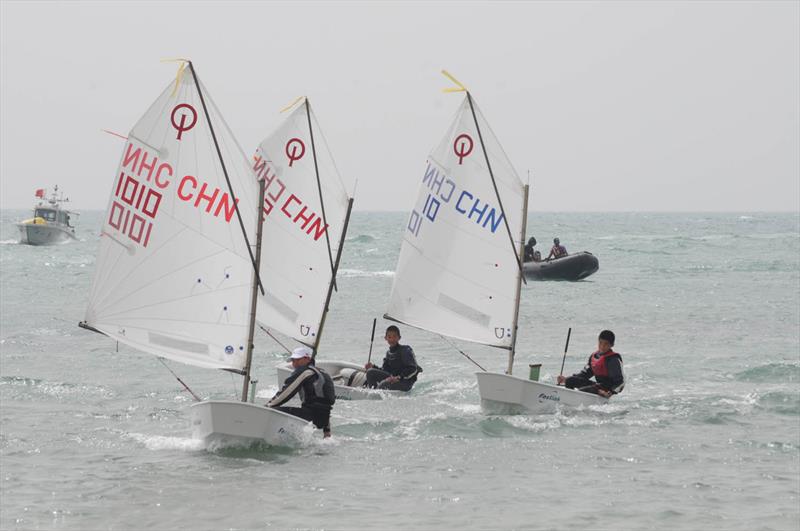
{"x": 51, "y": 222}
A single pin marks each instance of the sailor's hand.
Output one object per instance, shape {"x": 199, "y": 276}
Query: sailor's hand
{"x": 561, "y": 379}
{"x": 369, "y": 366}
{"x": 604, "y": 393}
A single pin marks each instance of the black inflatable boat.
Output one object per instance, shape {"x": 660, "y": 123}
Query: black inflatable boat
{"x": 573, "y": 267}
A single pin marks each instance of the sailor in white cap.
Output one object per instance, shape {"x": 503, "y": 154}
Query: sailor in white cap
{"x": 315, "y": 387}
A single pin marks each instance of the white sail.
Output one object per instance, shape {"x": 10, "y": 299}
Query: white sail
{"x": 173, "y": 275}
{"x": 457, "y": 272}
{"x": 303, "y": 225}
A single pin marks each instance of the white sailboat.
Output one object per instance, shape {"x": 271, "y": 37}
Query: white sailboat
{"x": 307, "y": 211}
{"x": 175, "y": 271}
{"x": 459, "y": 272}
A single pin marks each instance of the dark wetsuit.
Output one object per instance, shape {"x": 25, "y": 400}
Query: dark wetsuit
{"x": 530, "y": 252}
{"x": 399, "y": 361}
{"x": 614, "y": 381}
{"x": 317, "y": 396}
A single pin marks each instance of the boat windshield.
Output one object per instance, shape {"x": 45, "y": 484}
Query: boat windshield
{"x": 49, "y": 215}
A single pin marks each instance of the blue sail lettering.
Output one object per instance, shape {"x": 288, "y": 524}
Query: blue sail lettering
{"x": 458, "y": 203}
{"x": 480, "y": 212}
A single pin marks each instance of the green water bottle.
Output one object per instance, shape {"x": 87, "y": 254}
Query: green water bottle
{"x": 253, "y": 384}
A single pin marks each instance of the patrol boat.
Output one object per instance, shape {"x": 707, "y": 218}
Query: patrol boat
{"x": 176, "y": 270}
{"x": 460, "y": 269}
{"x": 51, "y": 223}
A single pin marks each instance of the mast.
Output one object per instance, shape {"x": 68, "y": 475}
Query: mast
{"x": 520, "y": 257}
{"x": 254, "y": 294}
{"x": 225, "y": 172}
{"x": 332, "y": 284}
{"x": 322, "y": 205}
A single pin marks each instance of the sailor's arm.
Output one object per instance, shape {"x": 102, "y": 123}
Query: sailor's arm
{"x": 615, "y": 374}
{"x": 410, "y": 367}
{"x": 290, "y": 388}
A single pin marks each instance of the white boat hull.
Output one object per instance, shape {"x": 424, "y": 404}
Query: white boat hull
{"x": 343, "y": 392}
{"x": 501, "y": 393}
{"x": 220, "y": 423}
{"x": 44, "y": 234}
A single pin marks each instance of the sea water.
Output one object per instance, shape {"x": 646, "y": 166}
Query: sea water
{"x": 706, "y": 435}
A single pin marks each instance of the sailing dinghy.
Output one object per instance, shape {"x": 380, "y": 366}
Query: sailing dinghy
{"x": 459, "y": 272}
{"x": 179, "y": 249}
{"x": 307, "y": 211}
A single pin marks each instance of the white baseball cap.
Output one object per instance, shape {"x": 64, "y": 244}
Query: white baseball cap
{"x": 301, "y": 352}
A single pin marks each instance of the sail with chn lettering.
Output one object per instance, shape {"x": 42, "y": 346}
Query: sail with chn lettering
{"x": 174, "y": 273}
{"x": 458, "y": 271}
{"x": 306, "y": 208}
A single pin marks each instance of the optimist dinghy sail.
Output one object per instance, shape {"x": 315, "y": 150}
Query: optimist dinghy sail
{"x": 460, "y": 271}
{"x": 307, "y": 210}
{"x": 175, "y": 270}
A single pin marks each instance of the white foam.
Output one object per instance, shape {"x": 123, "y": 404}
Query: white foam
{"x": 160, "y": 442}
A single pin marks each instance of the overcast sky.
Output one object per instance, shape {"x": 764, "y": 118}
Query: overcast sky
{"x": 612, "y": 106}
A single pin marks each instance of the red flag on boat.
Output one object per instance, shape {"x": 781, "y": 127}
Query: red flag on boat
{"x": 40, "y": 192}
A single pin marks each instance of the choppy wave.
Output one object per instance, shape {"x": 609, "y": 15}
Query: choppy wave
{"x": 361, "y": 238}
{"x": 771, "y": 372}
{"x": 34, "y": 386}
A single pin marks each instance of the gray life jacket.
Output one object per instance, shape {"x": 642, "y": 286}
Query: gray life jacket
{"x": 323, "y": 388}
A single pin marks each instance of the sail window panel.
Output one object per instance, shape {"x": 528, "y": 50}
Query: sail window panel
{"x": 178, "y": 344}
{"x": 281, "y": 307}
{"x": 449, "y": 303}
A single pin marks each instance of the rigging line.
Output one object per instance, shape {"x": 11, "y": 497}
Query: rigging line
{"x": 494, "y": 183}
{"x": 276, "y": 339}
{"x": 462, "y": 352}
{"x": 197, "y": 398}
{"x": 227, "y": 179}
{"x": 319, "y": 188}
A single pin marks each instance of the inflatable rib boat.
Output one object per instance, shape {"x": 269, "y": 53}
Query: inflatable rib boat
{"x": 573, "y": 267}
